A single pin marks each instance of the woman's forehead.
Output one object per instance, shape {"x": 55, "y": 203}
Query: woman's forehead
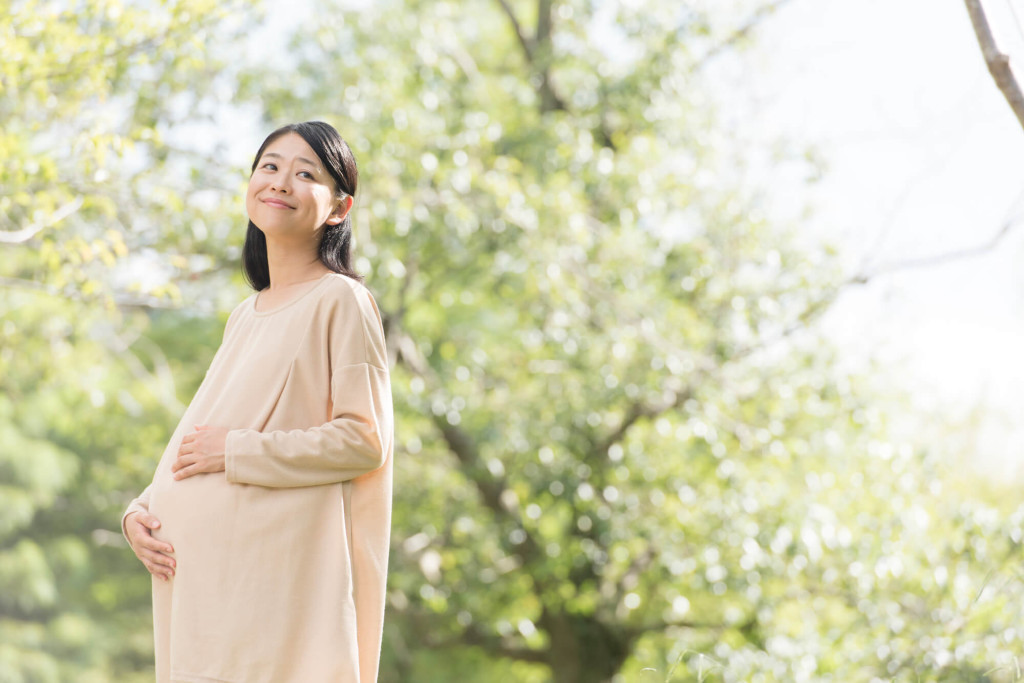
{"x": 292, "y": 146}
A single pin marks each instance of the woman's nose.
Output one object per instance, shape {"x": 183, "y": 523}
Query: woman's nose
{"x": 281, "y": 183}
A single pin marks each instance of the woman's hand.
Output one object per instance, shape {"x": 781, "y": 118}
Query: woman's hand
{"x": 201, "y": 451}
{"x": 151, "y": 552}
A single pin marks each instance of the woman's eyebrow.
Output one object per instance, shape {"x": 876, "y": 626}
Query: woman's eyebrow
{"x": 303, "y": 159}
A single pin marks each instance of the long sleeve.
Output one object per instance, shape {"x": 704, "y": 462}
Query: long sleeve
{"x": 357, "y": 438}
{"x": 140, "y": 504}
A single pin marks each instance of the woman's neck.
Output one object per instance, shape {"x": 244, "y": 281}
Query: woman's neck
{"x": 289, "y": 265}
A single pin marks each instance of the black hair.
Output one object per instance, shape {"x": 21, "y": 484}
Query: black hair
{"x": 335, "y": 240}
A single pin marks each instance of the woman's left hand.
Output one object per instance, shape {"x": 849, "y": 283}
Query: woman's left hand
{"x": 201, "y": 451}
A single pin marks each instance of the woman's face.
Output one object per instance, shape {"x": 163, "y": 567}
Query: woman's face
{"x": 290, "y": 193}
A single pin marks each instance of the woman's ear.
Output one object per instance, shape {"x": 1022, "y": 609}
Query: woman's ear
{"x": 340, "y": 211}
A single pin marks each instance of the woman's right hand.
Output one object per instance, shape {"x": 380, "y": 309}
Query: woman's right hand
{"x": 150, "y": 551}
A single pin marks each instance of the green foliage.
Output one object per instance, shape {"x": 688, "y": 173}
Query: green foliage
{"x": 97, "y": 225}
{"x": 623, "y": 447}
{"x": 623, "y": 452}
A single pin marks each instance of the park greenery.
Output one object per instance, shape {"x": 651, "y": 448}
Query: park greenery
{"x": 624, "y": 451}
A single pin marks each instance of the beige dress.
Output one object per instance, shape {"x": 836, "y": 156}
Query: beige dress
{"x": 282, "y": 558}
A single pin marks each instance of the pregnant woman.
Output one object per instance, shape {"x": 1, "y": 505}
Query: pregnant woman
{"x": 267, "y": 523}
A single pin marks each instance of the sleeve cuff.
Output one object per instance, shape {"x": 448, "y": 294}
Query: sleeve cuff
{"x": 124, "y": 523}
{"x": 233, "y": 445}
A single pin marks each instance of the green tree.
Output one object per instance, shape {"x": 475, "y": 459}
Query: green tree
{"x": 103, "y": 227}
{"x": 624, "y": 451}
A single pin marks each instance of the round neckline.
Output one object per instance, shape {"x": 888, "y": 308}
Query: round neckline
{"x": 291, "y": 301}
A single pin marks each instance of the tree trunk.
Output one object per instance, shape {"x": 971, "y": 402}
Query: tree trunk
{"x": 584, "y": 649}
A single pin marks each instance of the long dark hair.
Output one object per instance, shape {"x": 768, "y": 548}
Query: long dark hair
{"x": 335, "y": 240}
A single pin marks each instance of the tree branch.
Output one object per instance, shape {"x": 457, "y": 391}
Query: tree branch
{"x": 632, "y": 574}
{"x": 490, "y": 486}
{"x": 537, "y": 51}
{"x": 30, "y": 231}
{"x": 997, "y": 62}
{"x": 549, "y": 98}
{"x": 641, "y": 410}
{"x": 543, "y": 21}
{"x": 817, "y": 307}
{"x": 500, "y": 646}
{"x": 122, "y": 300}
{"x": 659, "y": 625}
{"x": 938, "y": 259}
{"x": 739, "y": 33}
{"x": 474, "y": 636}
{"x": 163, "y": 387}
{"x": 518, "y": 28}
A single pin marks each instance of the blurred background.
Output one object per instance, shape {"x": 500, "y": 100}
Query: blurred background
{"x": 706, "y": 321}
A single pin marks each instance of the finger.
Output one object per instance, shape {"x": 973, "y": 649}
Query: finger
{"x": 139, "y": 532}
{"x": 167, "y": 563}
{"x": 150, "y": 543}
{"x": 186, "y": 448}
{"x": 186, "y": 472}
{"x": 157, "y": 570}
{"x": 142, "y": 538}
{"x": 141, "y": 524}
{"x": 183, "y": 461}
{"x": 188, "y": 437}
{"x": 158, "y": 558}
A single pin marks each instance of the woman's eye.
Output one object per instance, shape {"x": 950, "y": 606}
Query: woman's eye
{"x": 269, "y": 166}
{"x": 306, "y": 174}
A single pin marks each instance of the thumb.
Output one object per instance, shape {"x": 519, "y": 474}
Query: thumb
{"x": 202, "y": 427}
{"x": 151, "y": 522}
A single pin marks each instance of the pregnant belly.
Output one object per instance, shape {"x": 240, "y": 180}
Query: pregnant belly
{"x": 263, "y": 580}
{"x": 222, "y": 530}
{"x": 192, "y": 511}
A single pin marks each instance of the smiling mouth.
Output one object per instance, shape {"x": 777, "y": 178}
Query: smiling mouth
{"x": 276, "y": 202}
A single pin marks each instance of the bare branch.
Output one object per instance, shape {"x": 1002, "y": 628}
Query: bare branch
{"x": 638, "y": 566}
{"x": 472, "y": 635}
{"x": 638, "y": 411}
{"x": 549, "y": 97}
{"x": 490, "y": 486}
{"x": 659, "y": 625}
{"x": 163, "y": 387}
{"x": 465, "y": 61}
{"x": 543, "y": 21}
{"x": 524, "y": 40}
{"x": 501, "y": 646}
{"x": 997, "y": 62}
{"x": 30, "y": 231}
{"x": 938, "y": 259}
{"x": 33, "y": 285}
{"x": 820, "y": 305}
{"x": 538, "y": 52}
{"x": 744, "y": 29}
{"x": 122, "y": 300}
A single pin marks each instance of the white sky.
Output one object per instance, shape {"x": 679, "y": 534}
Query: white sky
{"x": 924, "y": 157}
